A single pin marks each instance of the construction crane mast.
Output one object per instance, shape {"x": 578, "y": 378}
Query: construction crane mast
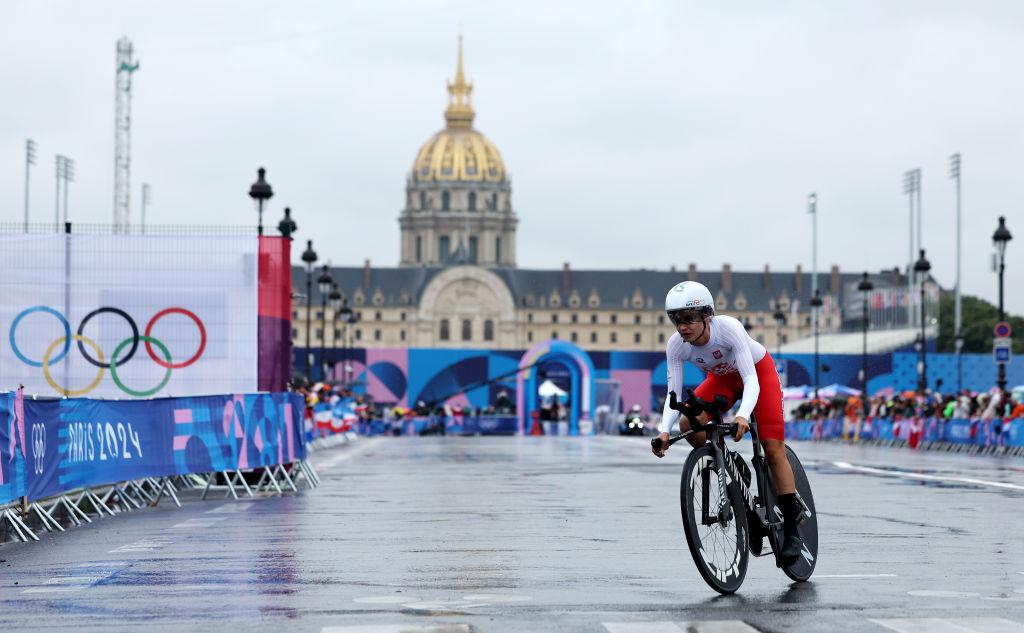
{"x": 126, "y": 66}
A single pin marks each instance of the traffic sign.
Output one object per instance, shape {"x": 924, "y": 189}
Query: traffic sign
{"x": 1002, "y": 350}
{"x": 1002, "y": 330}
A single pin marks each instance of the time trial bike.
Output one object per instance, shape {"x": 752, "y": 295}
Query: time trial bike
{"x": 724, "y": 520}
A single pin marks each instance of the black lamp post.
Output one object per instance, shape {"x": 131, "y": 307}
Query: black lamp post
{"x": 780, "y": 320}
{"x": 865, "y": 286}
{"x": 352, "y": 318}
{"x": 287, "y": 225}
{"x": 1001, "y": 237}
{"x": 343, "y": 315}
{"x": 816, "y": 304}
{"x": 309, "y": 257}
{"x": 323, "y": 283}
{"x": 958, "y": 342}
{"x": 921, "y": 268}
{"x": 335, "y": 299}
{"x": 261, "y": 192}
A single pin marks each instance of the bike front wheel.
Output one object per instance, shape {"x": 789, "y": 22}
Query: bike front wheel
{"x": 715, "y": 522}
{"x": 802, "y": 569}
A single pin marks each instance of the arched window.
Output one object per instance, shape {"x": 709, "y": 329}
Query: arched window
{"x": 444, "y": 334}
{"x": 472, "y": 201}
{"x": 444, "y": 248}
{"x": 494, "y": 202}
{"x": 423, "y": 200}
{"x": 446, "y": 200}
{"x": 497, "y": 250}
{"x": 488, "y": 330}
{"x": 467, "y": 330}
{"x": 472, "y": 250}
{"x": 419, "y": 248}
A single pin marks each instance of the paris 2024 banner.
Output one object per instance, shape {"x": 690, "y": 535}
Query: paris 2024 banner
{"x": 118, "y": 316}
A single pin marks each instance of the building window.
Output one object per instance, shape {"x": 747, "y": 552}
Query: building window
{"x": 593, "y": 337}
{"x": 444, "y": 335}
{"x": 593, "y": 318}
{"x": 529, "y": 317}
{"x": 337, "y": 333}
{"x": 445, "y": 247}
{"x": 554, "y": 335}
{"x": 554, "y": 318}
{"x": 467, "y": 330}
{"x": 488, "y": 330}
{"x": 661, "y": 319}
{"x": 529, "y": 336}
{"x": 376, "y": 335}
{"x": 807, "y": 321}
{"x": 614, "y": 319}
{"x": 494, "y": 202}
{"x": 472, "y": 201}
{"x": 376, "y": 316}
{"x": 472, "y": 250}
{"x": 785, "y": 338}
{"x": 497, "y": 250}
{"x": 359, "y": 335}
{"x": 423, "y": 200}
{"x": 295, "y": 315}
{"x": 613, "y": 337}
{"x": 401, "y": 335}
{"x": 295, "y": 333}
{"x": 401, "y": 316}
{"x": 574, "y": 337}
{"x": 636, "y": 319}
{"x": 419, "y": 248}
{"x": 636, "y": 337}
{"x": 319, "y": 335}
{"x": 319, "y": 314}
{"x": 446, "y": 201}
{"x": 661, "y": 338}
{"x": 575, "y": 318}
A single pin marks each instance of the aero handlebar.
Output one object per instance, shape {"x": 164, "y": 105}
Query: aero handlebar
{"x": 691, "y": 408}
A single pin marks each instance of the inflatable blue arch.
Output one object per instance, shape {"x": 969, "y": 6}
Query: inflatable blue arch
{"x": 581, "y": 390}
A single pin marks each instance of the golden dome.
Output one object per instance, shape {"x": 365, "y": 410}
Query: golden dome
{"x": 458, "y": 152}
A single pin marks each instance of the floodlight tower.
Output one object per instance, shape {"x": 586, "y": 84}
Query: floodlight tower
{"x": 126, "y": 65}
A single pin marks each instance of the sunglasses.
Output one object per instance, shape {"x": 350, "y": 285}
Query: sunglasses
{"x": 685, "y": 317}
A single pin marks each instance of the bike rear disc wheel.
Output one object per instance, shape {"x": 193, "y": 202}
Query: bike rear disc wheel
{"x": 719, "y": 550}
{"x": 802, "y": 569}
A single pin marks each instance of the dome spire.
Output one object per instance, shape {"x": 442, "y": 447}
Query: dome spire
{"x": 460, "y": 108}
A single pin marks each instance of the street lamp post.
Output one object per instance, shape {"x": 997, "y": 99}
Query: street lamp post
{"x": 260, "y": 192}
{"x": 352, "y": 318}
{"x": 335, "y": 299}
{"x": 816, "y": 304}
{"x": 921, "y": 268}
{"x": 309, "y": 257}
{"x": 959, "y": 343}
{"x": 287, "y": 225}
{"x": 1000, "y": 238}
{"x": 865, "y": 286}
{"x": 323, "y": 283}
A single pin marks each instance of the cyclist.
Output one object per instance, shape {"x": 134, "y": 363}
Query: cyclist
{"x": 735, "y": 366}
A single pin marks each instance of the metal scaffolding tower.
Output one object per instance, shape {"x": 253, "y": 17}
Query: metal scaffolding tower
{"x": 126, "y": 66}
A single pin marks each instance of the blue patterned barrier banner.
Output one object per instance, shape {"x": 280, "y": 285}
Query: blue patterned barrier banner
{"x": 995, "y": 432}
{"x": 63, "y": 445}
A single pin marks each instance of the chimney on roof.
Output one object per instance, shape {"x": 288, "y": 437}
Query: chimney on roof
{"x": 366, "y": 273}
{"x": 798, "y": 280}
{"x": 691, "y": 272}
{"x": 726, "y": 278}
{"x": 766, "y": 278}
{"x": 565, "y": 279}
{"x": 833, "y": 280}
{"x": 672, "y": 268}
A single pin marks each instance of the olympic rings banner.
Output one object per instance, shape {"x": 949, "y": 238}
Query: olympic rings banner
{"x": 56, "y": 446}
{"x": 116, "y": 316}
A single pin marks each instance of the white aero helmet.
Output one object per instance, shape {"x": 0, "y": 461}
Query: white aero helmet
{"x": 690, "y": 295}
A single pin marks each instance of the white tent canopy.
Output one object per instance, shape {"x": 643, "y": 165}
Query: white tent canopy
{"x": 549, "y": 389}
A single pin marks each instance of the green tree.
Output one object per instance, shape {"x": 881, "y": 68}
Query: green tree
{"x": 979, "y": 317}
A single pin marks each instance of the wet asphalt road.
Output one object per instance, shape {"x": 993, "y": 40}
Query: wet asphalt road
{"x": 534, "y": 534}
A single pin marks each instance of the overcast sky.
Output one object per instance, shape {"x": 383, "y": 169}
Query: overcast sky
{"x": 637, "y": 134}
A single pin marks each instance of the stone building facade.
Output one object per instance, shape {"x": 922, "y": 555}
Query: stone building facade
{"x": 457, "y": 284}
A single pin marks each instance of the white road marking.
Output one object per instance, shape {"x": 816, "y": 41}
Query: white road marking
{"x": 399, "y": 628}
{"x": 706, "y": 626}
{"x": 855, "y": 576}
{"x": 386, "y": 599}
{"x": 933, "y": 593}
{"x": 921, "y": 476}
{"x": 145, "y": 545}
{"x": 199, "y": 523}
{"x": 231, "y": 508}
{"x": 953, "y": 625}
{"x": 63, "y": 584}
{"x": 347, "y": 455}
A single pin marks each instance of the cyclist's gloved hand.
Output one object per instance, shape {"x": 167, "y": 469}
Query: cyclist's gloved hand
{"x": 659, "y": 445}
{"x": 740, "y": 428}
